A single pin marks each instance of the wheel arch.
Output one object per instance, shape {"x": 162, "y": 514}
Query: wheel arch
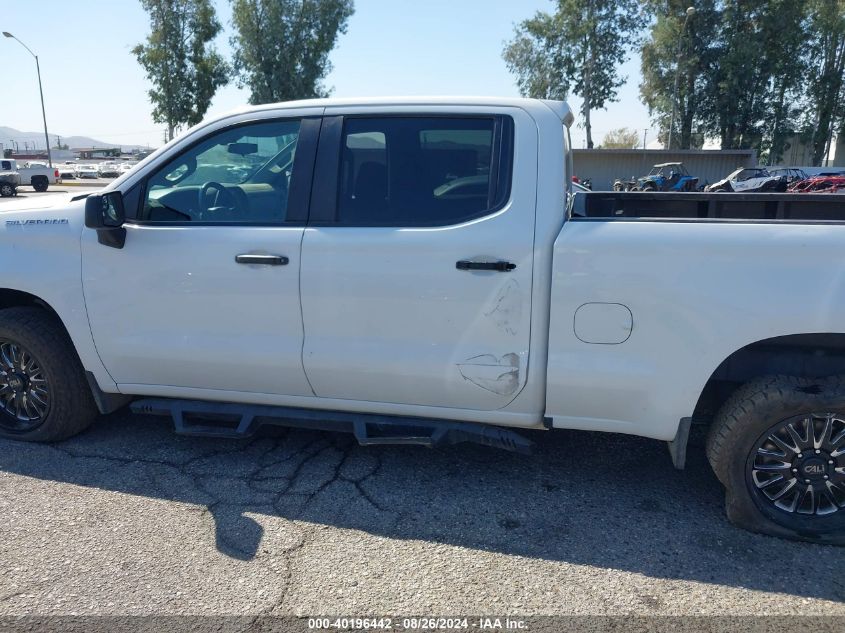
{"x": 12, "y": 298}
{"x": 813, "y": 355}
{"x": 810, "y": 355}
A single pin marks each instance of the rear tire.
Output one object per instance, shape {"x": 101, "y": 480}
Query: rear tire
{"x": 44, "y": 395}
{"x": 775, "y": 445}
{"x": 40, "y": 185}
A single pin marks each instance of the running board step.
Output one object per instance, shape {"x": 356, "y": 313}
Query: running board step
{"x": 228, "y": 420}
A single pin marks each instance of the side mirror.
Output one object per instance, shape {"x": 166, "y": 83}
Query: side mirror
{"x": 104, "y": 212}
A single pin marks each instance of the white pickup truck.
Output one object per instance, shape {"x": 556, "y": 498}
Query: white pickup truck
{"x": 415, "y": 271}
{"x": 37, "y": 175}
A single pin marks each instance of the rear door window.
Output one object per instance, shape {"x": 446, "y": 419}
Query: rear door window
{"x": 422, "y": 171}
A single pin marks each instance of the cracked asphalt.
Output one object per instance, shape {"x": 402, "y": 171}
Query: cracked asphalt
{"x": 131, "y": 519}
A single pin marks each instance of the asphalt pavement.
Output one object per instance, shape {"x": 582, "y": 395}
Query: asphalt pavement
{"x": 130, "y": 518}
{"x": 54, "y": 191}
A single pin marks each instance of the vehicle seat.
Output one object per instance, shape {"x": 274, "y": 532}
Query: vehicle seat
{"x": 369, "y": 196}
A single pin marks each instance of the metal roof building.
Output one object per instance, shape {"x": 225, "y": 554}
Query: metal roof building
{"x": 603, "y": 166}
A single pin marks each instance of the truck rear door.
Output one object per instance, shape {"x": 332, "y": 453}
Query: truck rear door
{"x": 416, "y": 263}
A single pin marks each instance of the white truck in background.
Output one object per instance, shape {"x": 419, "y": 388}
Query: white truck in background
{"x": 416, "y": 271}
{"x": 37, "y": 175}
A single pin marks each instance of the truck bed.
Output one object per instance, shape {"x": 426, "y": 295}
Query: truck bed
{"x": 652, "y": 292}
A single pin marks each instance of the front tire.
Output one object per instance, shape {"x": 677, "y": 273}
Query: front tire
{"x": 778, "y": 447}
{"x": 6, "y": 190}
{"x": 43, "y": 392}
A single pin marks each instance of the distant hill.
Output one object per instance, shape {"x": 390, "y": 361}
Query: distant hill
{"x": 7, "y": 134}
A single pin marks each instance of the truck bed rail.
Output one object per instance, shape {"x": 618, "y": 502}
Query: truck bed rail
{"x": 712, "y": 207}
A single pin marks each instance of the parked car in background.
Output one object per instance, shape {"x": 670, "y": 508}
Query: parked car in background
{"x": 86, "y": 171}
{"x": 37, "y": 175}
{"x": 792, "y": 174}
{"x": 9, "y": 180}
{"x": 126, "y": 167}
{"x": 748, "y": 180}
{"x": 108, "y": 170}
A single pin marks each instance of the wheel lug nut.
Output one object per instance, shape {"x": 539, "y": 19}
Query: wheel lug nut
{"x": 800, "y": 455}
{"x": 817, "y": 451}
{"x": 806, "y": 481}
{"x": 826, "y": 477}
{"x": 830, "y": 461}
{"x": 795, "y": 470}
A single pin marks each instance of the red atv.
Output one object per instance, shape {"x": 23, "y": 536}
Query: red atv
{"x": 823, "y": 183}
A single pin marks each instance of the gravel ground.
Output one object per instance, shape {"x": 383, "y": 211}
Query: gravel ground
{"x": 131, "y": 519}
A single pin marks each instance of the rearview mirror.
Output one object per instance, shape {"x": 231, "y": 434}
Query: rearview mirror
{"x": 105, "y": 213}
{"x": 243, "y": 149}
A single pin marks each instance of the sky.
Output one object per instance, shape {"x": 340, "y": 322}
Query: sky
{"x": 93, "y": 85}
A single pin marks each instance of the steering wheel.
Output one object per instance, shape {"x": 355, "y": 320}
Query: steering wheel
{"x": 222, "y": 192}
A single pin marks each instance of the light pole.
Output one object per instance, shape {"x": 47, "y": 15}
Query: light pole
{"x": 40, "y": 90}
{"x": 689, "y": 13}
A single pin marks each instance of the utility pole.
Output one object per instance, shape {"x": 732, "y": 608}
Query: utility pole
{"x": 40, "y": 90}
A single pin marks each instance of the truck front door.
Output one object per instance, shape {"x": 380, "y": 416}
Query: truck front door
{"x": 417, "y": 261}
{"x": 205, "y": 292}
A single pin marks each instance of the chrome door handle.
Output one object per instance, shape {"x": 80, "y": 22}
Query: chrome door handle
{"x": 267, "y": 260}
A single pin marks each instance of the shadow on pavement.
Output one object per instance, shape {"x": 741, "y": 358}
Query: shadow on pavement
{"x": 602, "y": 500}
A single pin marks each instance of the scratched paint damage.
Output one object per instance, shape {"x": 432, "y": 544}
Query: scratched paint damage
{"x": 499, "y": 375}
{"x": 506, "y": 312}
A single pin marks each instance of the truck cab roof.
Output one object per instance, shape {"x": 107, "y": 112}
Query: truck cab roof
{"x": 560, "y": 108}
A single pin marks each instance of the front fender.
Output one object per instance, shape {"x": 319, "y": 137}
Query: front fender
{"x": 40, "y": 255}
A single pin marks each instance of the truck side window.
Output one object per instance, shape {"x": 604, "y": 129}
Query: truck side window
{"x": 421, "y": 171}
{"x": 237, "y": 175}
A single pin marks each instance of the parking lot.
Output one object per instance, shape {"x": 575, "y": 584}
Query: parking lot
{"x": 54, "y": 193}
{"x": 130, "y": 518}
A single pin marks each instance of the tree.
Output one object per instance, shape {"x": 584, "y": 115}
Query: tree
{"x": 825, "y": 85}
{"x": 578, "y": 49}
{"x": 741, "y": 66}
{"x": 784, "y": 35}
{"x": 679, "y": 44}
{"x": 180, "y": 62}
{"x": 282, "y": 46}
{"x": 620, "y": 138}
